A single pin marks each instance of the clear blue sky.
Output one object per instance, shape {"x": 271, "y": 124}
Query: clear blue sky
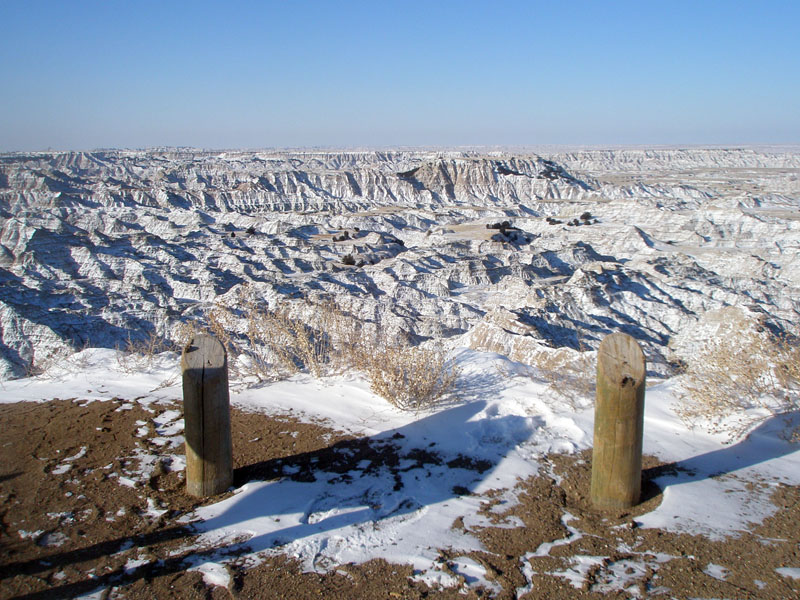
{"x": 86, "y": 74}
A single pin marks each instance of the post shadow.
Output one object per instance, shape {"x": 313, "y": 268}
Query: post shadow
{"x": 387, "y": 462}
{"x": 120, "y": 576}
{"x": 764, "y": 443}
{"x": 105, "y": 548}
{"x": 391, "y": 474}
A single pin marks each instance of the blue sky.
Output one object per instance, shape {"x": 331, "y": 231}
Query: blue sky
{"x": 88, "y": 74}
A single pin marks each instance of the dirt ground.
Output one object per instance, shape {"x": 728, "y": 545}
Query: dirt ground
{"x": 76, "y": 518}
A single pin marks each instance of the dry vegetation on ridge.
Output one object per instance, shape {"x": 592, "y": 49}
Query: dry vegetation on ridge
{"x": 266, "y": 344}
{"x": 742, "y": 376}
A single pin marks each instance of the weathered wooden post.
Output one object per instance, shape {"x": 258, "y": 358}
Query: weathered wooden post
{"x": 206, "y": 408}
{"x": 618, "y": 423}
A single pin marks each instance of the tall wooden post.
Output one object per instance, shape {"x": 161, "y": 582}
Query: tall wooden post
{"x": 206, "y": 408}
{"x": 618, "y": 423}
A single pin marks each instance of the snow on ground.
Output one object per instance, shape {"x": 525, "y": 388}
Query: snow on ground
{"x": 492, "y": 438}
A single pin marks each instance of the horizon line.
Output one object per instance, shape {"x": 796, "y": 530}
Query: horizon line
{"x": 511, "y": 148}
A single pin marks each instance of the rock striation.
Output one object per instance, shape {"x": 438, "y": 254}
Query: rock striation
{"x": 100, "y": 247}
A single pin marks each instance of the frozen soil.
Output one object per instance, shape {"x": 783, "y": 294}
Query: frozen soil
{"x": 91, "y": 496}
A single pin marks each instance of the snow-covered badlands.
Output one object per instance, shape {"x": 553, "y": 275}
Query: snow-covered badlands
{"x": 99, "y": 247}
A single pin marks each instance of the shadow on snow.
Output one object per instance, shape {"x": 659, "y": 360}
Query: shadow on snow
{"x": 350, "y": 483}
{"x": 764, "y": 443}
{"x": 368, "y": 480}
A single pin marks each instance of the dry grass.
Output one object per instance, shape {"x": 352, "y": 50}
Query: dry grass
{"x": 265, "y": 345}
{"x": 411, "y": 378}
{"x": 38, "y": 366}
{"x": 270, "y": 345}
{"x": 55, "y": 362}
{"x": 138, "y": 354}
{"x": 569, "y": 374}
{"x": 321, "y": 339}
{"x": 741, "y": 378}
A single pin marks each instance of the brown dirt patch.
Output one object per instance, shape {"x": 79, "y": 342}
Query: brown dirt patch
{"x": 658, "y": 563}
{"x": 92, "y": 494}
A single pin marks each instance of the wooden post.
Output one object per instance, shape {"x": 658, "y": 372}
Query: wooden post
{"x": 206, "y": 410}
{"x": 618, "y": 423}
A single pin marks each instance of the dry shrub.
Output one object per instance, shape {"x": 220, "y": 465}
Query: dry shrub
{"x": 53, "y": 363}
{"x": 272, "y": 344}
{"x": 185, "y": 331}
{"x": 741, "y": 378}
{"x": 268, "y": 344}
{"x": 411, "y": 377}
{"x": 137, "y": 354}
{"x": 569, "y": 374}
{"x": 37, "y": 366}
{"x": 788, "y": 367}
{"x": 321, "y": 339}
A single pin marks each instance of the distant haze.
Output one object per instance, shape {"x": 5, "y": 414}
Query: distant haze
{"x": 89, "y": 74}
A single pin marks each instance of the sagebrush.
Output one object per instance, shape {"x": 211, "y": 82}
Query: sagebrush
{"x": 272, "y": 344}
{"x": 321, "y": 339}
{"x": 569, "y": 374}
{"x": 739, "y": 379}
{"x": 138, "y": 354}
{"x": 411, "y": 378}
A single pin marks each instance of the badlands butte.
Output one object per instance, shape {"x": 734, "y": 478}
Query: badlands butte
{"x": 517, "y": 253}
